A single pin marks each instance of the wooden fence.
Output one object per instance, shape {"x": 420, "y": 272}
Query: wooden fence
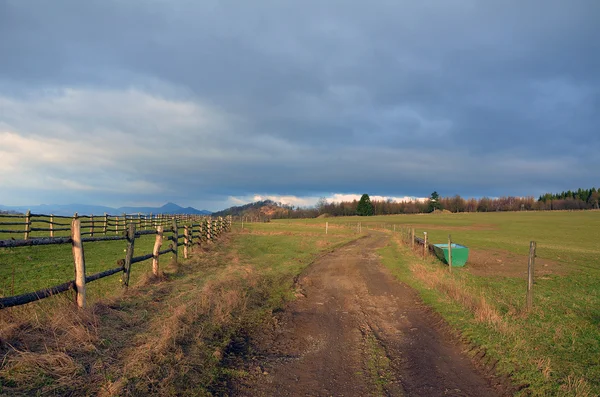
{"x": 39, "y": 229}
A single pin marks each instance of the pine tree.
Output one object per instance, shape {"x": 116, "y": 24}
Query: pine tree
{"x": 365, "y": 207}
{"x": 434, "y": 202}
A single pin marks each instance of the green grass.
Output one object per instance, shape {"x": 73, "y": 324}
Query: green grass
{"x": 570, "y": 238}
{"x": 27, "y": 269}
{"x": 556, "y": 347}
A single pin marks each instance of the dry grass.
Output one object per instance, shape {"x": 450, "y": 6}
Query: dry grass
{"x": 438, "y": 278}
{"x": 575, "y": 386}
{"x": 44, "y": 351}
{"x": 167, "y": 334}
{"x": 158, "y": 338}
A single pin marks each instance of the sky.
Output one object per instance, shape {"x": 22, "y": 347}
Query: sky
{"x": 214, "y": 103}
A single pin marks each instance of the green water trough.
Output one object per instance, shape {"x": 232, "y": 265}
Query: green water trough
{"x": 460, "y": 253}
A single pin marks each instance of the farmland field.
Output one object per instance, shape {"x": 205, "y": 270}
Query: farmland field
{"x": 182, "y": 327}
{"x": 556, "y": 348}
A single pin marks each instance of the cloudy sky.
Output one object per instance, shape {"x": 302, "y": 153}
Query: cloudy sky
{"x": 212, "y": 103}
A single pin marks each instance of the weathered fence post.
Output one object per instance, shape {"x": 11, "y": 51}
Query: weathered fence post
{"x": 450, "y": 253}
{"x": 156, "y": 250}
{"x": 92, "y": 225}
{"x": 192, "y": 237}
{"x": 116, "y": 225}
{"x": 209, "y": 229}
{"x": 530, "y": 268}
{"x": 412, "y": 239}
{"x": 78, "y": 260}
{"x": 51, "y": 225}
{"x": 175, "y": 237}
{"x": 129, "y": 253}
{"x": 27, "y": 225}
{"x": 425, "y": 244}
{"x": 105, "y": 224}
{"x": 186, "y": 241}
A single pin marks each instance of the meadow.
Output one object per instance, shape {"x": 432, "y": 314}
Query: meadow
{"x": 31, "y": 268}
{"x": 552, "y": 350}
{"x": 209, "y": 303}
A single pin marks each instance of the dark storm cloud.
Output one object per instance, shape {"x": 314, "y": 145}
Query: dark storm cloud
{"x": 299, "y": 98}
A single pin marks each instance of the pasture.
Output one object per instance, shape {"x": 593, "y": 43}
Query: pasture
{"x": 555, "y": 348}
{"x": 209, "y": 303}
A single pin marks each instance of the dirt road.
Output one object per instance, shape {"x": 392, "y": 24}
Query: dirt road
{"x": 356, "y": 331}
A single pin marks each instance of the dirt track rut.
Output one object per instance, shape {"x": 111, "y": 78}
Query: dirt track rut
{"x": 356, "y": 331}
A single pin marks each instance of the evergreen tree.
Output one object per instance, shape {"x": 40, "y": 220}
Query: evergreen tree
{"x": 365, "y": 207}
{"x": 434, "y": 202}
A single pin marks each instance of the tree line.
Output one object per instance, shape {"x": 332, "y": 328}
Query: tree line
{"x": 569, "y": 200}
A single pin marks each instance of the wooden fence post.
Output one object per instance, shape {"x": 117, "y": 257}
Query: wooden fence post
{"x": 156, "y": 250}
{"x": 450, "y": 253}
{"x": 51, "y": 225}
{"x": 209, "y": 229}
{"x": 129, "y": 253}
{"x": 192, "y": 237}
{"x": 530, "y": 268}
{"x": 78, "y": 260}
{"x": 27, "y": 225}
{"x": 116, "y": 225}
{"x": 326, "y": 227}
{"x": 175, "y": 237}
{"x": 105, "y": 225}
{"x": 425, "y": 244}
{"x": 186, "y": 241}
{"x": 412, "y": 239}
{"x": 92, "y": 225}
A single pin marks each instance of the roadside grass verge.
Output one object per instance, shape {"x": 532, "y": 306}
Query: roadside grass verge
{"x": 552, "y": 350}
{"x": 174, "y": 335}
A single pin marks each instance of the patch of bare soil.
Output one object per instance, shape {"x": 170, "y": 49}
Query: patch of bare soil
{"x": 508, "y": 264}
{"x": 356, "y": 331}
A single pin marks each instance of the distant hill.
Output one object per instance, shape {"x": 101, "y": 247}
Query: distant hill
{"x": 85, "y": 209}
{"x": 264, "y": 208}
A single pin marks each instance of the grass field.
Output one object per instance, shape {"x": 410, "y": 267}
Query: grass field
{"x": 555, "y": 348}
{"x": 173, "y": 336}
{"x": 28, "y": 269}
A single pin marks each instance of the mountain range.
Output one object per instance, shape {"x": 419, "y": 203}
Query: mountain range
{"x": 85, "y": 209}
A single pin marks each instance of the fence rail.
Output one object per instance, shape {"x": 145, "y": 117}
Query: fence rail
{"x": 197, "y": 229}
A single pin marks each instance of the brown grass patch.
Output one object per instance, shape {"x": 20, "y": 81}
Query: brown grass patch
{"x": 474, "y": 301}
